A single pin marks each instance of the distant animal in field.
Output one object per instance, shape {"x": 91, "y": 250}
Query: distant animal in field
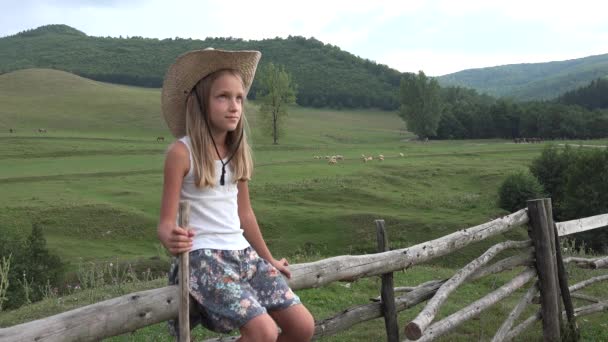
{"x": 41, "y": 130}
{"x": 159, "y": 139}
{"x": 12, "y": 130}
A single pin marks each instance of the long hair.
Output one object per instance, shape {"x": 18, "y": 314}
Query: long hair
{"x": 203, "y": 151}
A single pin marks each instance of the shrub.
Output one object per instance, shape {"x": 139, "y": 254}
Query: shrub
{"x": 517, "y": 189}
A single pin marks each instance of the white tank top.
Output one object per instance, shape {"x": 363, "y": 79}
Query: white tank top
{"x": 213, "y": 210}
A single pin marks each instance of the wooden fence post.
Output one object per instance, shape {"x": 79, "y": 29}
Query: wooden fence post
{"x": 546, "y": 266}
{"x": 184, "y": 267}
{"x": 387, "y": 293}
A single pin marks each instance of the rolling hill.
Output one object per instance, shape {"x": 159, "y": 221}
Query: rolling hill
{"x": 59, "y": 100}
{"x": 534, "y": 81}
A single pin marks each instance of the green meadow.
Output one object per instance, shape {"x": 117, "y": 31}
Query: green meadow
{"x": 93, "y": 182}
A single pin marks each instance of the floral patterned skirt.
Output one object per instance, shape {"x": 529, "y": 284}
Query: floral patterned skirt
{"x": 231, "y": 287}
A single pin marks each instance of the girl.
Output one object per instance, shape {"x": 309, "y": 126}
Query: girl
{"x": 234, "y": 279}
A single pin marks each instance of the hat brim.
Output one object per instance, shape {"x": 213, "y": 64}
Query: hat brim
{"x": 189, "y": 69}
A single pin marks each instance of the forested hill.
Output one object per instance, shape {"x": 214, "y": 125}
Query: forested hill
{"x": 534, "y": 81}
{"x": 325, "y": 75}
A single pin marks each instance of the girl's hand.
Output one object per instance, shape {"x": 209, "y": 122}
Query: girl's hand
{"x": 176, "y": 239}
{"x": 281, "y": 265}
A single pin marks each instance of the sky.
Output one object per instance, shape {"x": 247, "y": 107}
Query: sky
{"x": 438, "y": 37}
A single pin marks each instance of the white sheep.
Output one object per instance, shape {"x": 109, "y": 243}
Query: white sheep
{"x": 401, "y": 154}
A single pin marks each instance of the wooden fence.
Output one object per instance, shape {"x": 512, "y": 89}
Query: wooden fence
{"x": 541, "y": 256}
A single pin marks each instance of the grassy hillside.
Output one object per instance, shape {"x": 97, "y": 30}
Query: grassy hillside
{"x": 60, "y": 101}
{"x": 531, "y": 81}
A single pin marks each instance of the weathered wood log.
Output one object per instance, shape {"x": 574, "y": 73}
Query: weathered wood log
{"x": 578, "y": 312}
{"x": 593, "y": 263}
{"x": 184, "y": 278}
{"x": 363, "y": 313}
{"x": 454, "y": 320}
{"x": 91, "y": 323}
{"x": 585, "y": 297}
{"x": 592, "y": 308}
{"x": 544, "y": 249}
{"x": 386, "y": 293}
{"x": 581, "y": 225}
{"x": 562, "y": 277}
{"x": 580, "y": 262}
{"x": 526, "y": 258}
{"x": 353, "y": 267}
{"x": 600, "y": 263}
{"x": 588, "y": 282}
{"x": 416, "y": 327}
{"x": 521, "y": 259}
{"x": 523, "y": 326}
{"x": 515, "y": 313}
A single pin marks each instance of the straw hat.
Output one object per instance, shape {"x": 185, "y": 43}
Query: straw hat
{"x": 190, "y": 68}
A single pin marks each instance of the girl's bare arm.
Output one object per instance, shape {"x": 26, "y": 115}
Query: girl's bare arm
{"x": 177, "y": 163}
{"x": 252, "y": 231}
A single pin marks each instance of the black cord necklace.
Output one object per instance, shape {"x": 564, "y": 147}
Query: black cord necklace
{"x": 222, "y": 180}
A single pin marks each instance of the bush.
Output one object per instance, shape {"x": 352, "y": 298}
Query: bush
{"x": 551, "y": 170}
{"x": 517, "y": 189}
{"x": 33, "y": 268}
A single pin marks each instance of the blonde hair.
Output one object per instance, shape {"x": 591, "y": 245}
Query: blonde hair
{"x": 203, "y": 151}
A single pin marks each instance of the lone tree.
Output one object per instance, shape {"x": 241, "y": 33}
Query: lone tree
{"x": 276, "y": 92}
{"x": 420, "y": 104}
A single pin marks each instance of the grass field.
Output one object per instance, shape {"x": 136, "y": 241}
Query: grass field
{"x": 93, "y": 182}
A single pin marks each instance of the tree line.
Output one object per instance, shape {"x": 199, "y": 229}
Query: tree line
{"x": 431, "y": 111}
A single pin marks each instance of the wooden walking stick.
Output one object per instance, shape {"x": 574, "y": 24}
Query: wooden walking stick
{"x": 184, "y": 267}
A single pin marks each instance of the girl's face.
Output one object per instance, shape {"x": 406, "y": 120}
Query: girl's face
{"x": 226, "y": 98}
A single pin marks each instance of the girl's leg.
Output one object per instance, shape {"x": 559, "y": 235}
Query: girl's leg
{"x": 296, "y": 323}
{"x": 261, "y": 328}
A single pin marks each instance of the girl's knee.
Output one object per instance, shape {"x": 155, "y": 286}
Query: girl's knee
{"x": 297, "y": 324}
{"x": 260, "y": 329}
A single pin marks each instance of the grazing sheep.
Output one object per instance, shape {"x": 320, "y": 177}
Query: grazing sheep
{"x": 41, "y": 130}
{"x": 159, "y": 139}
{"x": 339, "y": 157}
{"x": 381, "y": 157}
{"x": 401, "y": 154}
{"x": 332, "y": 161}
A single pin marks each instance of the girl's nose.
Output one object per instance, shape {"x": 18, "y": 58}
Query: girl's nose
{"x": 234, "y": 104}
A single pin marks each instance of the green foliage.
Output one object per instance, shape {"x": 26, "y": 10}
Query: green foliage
{"x": 518, "y": 188}
{"x": 326, "y": 75}
{"x": 33, "y": 267}
{"x": 577, "y": 182}
{"x": 592, "y": 96}
{"x": 420, "y": 104}
{"x": 276, "y": 92}
{"x": 551, "y": 168}
{"x": 586, "y": 194}
{"x": 5, "y": 267}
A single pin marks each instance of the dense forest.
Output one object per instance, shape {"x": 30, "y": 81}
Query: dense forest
{"x": 325, "y": 75}
{"x": 580, "y": 114}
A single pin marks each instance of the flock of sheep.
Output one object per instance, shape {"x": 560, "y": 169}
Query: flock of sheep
{"x": 332, "y": 160}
